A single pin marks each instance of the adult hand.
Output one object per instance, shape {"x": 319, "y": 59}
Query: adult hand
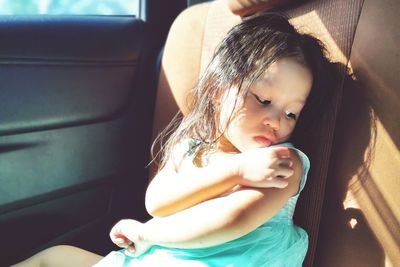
{"x": 249, "y": 7}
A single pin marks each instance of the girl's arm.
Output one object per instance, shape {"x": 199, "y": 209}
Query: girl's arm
{"x": 218, "y": 220}
{"x": 172, "y": 191}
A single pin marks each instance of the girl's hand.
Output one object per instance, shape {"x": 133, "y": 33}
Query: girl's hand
{"x": 127, "y": 234}
{"x": 264, "y": 167}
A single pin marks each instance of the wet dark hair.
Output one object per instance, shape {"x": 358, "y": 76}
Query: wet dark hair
{"x": 245, "y": 53}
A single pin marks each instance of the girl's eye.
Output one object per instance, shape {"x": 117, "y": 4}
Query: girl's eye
{"x": 290, "y": 115}
{"x": 262, "y": 101}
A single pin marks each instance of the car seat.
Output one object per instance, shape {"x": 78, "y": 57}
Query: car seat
{"x": 335, "y": 23}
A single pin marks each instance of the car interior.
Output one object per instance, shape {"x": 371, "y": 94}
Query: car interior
{"x": 80, "y": 104}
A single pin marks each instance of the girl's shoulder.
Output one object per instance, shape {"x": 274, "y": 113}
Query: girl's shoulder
{"x": 185, "y": 149}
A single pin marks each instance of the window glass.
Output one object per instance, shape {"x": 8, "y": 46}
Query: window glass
{"x": 69, "y": 7}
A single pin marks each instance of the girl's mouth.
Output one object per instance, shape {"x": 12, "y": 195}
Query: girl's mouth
{"x": 262, "y": 140}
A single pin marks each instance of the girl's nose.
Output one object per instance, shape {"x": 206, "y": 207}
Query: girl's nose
{"x": 273, "y": 121}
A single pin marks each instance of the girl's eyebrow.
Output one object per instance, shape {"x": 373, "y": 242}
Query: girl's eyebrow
{"x": 268, "y": 81}
{"x": 264, "y": 79}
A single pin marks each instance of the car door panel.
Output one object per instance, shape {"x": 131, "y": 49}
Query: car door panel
{"x": 76, "y": 103}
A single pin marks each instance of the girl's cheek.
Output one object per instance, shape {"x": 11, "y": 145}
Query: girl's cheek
{"x": 231, "y": 106}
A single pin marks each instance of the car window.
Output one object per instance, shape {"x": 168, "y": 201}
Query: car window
{"x": 69, "y": 7}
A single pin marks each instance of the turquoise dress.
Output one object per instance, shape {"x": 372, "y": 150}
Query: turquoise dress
{"x": 276, "y": 243}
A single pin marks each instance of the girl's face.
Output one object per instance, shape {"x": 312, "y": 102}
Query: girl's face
{"x": 267, "y": 114}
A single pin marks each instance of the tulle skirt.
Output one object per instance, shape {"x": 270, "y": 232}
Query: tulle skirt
{"x": 270, "y": 245}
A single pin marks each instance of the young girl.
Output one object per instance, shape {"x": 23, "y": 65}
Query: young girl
{"x": 229, "y": 180}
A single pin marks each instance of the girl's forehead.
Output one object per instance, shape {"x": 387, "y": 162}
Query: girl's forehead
{"x": 284, "y": 71}
{"x": 285, "y": 76}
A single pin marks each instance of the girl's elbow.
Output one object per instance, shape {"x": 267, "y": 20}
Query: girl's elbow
{"x": 152, "y": 207}
{"x": 152, "y": 200}
{"x": 156, "y": 208}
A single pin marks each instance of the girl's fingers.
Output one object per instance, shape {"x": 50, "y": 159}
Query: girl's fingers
{"x": 130, "y": 251}
{"x": 282, "y": 162}
{"x": 286, "y": 173}
{"x": 283, "y": 173}
{"x": 119, "y": 240}
{"x": 280, "y": 183}
{"x": 115, "y": 234}
{"x": 122, "y": 242}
